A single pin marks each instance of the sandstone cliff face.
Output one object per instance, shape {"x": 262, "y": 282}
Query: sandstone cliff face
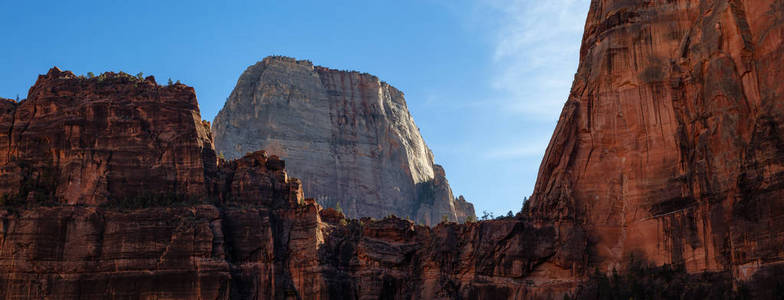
{"x": 256, "y": 252}
{"x": 134, "y": 147}
{"x": 668, "y": 147}
{"x": 347, "y": 135}
{"x": 84, "y": 141}
{"x": 199, "y": 252}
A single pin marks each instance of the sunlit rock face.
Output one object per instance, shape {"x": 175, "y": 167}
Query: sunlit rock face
{"x": 85, "y": 141}
{"x": 347, "y": 135}
{"x": 669, "y": 146}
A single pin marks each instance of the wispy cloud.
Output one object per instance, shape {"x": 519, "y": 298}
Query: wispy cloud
{"x": 528, "y": 56}
{"x": 532, "y": 149}
{"x": 536, "y": 51}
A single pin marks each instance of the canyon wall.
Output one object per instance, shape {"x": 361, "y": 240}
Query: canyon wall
{"x": 669, "y": 146}
{"x": 209, "y": 252}
{"x": 347, "y": 135}
{"x": 238, "y": 229}
{"x": 663, "y": 179}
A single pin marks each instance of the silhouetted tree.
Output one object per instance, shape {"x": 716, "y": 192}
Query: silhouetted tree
{"x": 525, "y": 204}
{"x": 487, "y": 215}
{"x": 337, "y": 207}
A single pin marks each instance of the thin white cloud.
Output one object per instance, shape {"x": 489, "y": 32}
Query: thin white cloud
{"x": 534, "y": 148}
{"x": 531, "y": 48}
{"x": 536, "y": 51}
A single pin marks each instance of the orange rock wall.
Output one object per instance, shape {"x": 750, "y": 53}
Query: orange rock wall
{"x": 668, "y": 146}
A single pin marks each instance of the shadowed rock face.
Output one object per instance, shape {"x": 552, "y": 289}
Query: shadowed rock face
{"x": 669, "y": 145}
{"x": 347, "y": 135}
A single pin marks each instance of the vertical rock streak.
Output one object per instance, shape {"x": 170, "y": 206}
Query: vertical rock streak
{"x": 668, "y": 145}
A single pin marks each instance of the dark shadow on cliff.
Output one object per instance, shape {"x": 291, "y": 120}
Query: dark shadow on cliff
{"x": 642, "y": 280}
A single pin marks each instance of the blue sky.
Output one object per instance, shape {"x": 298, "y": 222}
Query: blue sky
{"x": 485, "y": 80}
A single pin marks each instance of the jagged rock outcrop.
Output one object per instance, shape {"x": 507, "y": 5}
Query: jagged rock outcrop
{"x": 84, "y": 141}
{"x": 136, "y": 147}
{"x": 347, "y": 135}
{"x": 669, "y": 146}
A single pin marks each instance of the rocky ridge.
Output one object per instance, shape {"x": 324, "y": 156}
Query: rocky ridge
{"x": 347, "y": 135}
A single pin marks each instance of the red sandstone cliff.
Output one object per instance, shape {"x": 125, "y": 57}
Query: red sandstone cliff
{"x": 669, "y": 146}
{"x": 104, "y": 153}
{"x": 80, "y": 141}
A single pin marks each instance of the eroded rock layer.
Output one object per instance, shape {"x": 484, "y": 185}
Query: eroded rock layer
{"x": 669, "y": 146}
{"x": 347, "y": 135}
{"x": 259, "y": 253}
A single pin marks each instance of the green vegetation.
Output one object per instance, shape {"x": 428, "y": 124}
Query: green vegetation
{"x": 337, "y": 207}
{"x": 444, "y": 219}
{"x": 471, "y": 219}
{"x": 140, "y": 76}
{"x": 170, "y": 82}
{"x": 90, "y": 75}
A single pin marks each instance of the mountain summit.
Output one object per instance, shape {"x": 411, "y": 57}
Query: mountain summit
{"x": 347, "y": 135}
